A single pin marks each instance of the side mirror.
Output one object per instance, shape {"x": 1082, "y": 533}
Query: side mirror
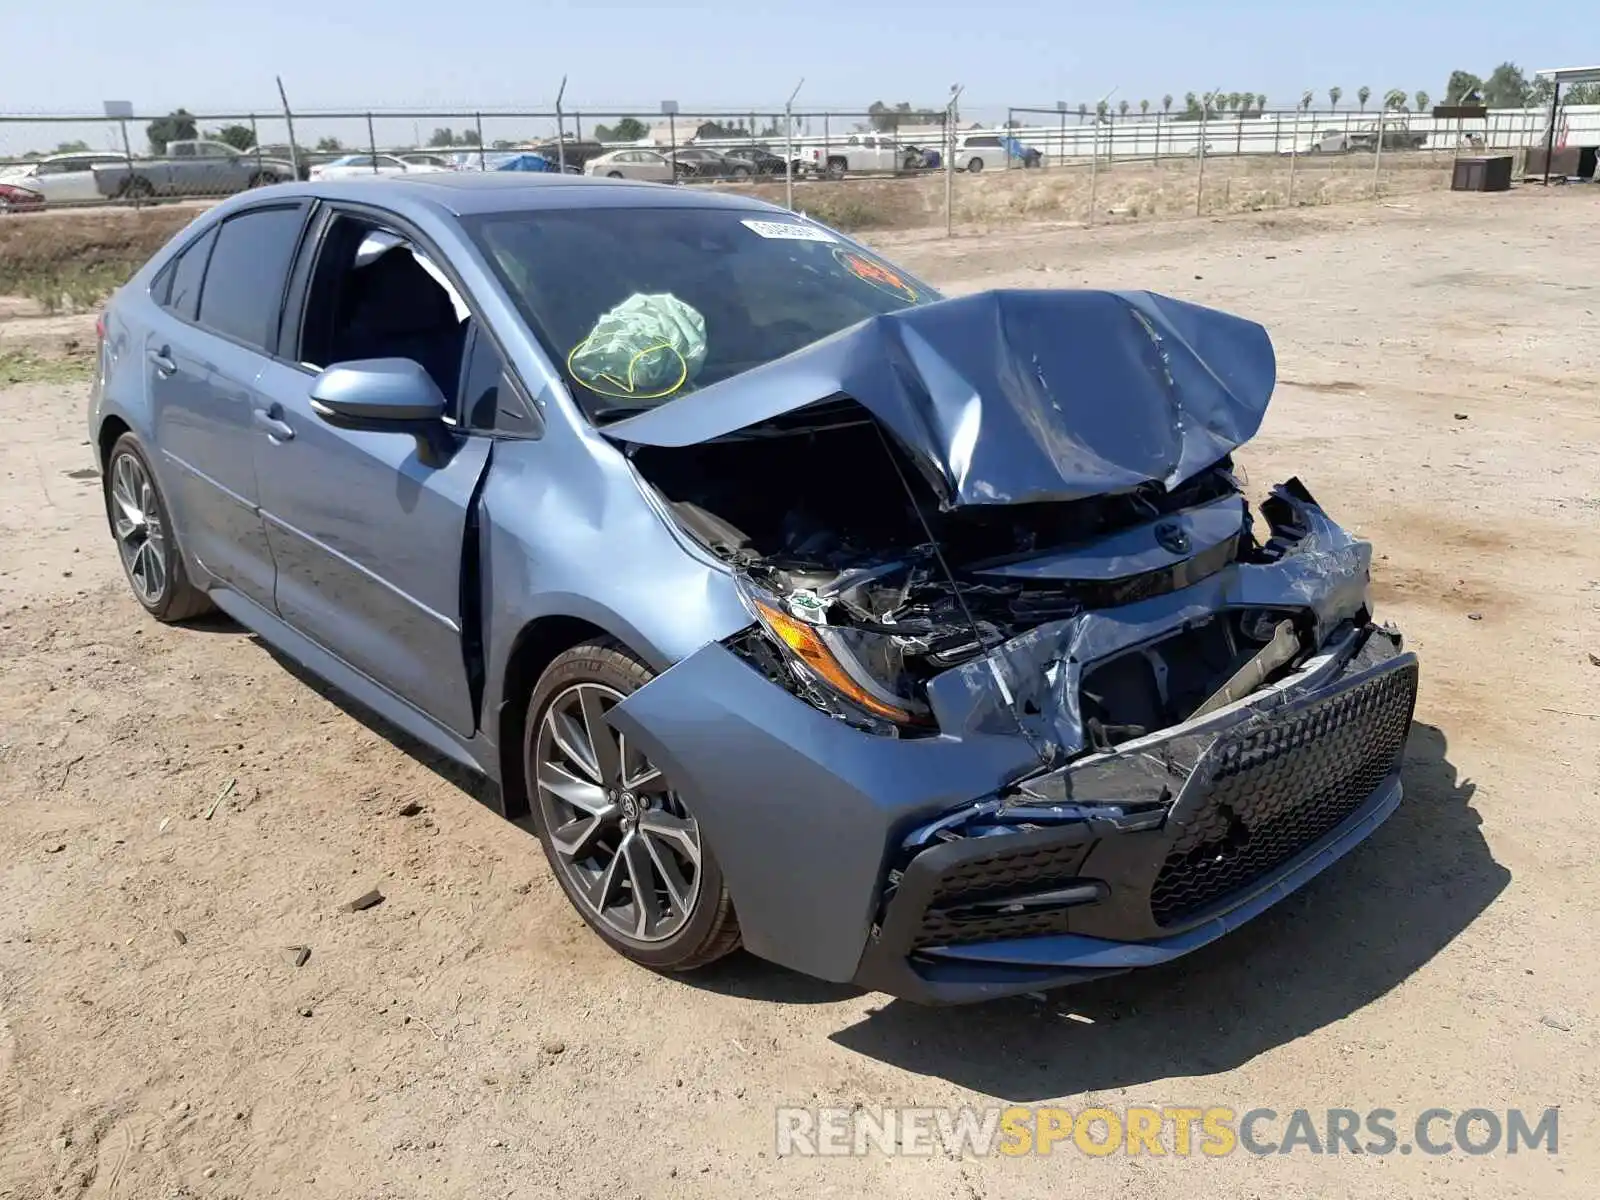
{"x": 385, "y": 395}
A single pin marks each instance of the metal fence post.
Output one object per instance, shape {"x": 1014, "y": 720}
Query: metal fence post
{"x": 672, "y": 137}
{"x": 1061, "y": 150}
{"x": 1158, "y": 139}
{"x": 288, "y": 119}
{"x": 372, "y": 144}
{"x": 1094, "y": 169}
{"x": 1294, "y": 156}
{"x": 949, "y": 140}
{"x": 1377, "y": 158}
{"x": 255, "y": 137}
{"x": 478, "y": 124}
{"x": 827, "y": 139}
{"x": 1200, "y": 179}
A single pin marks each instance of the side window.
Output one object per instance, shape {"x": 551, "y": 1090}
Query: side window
{"x": 181, "y": 293}
{"x": 244, "y": 284}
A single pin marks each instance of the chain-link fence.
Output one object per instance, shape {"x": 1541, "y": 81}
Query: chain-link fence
{"x": 1065, "y": 162}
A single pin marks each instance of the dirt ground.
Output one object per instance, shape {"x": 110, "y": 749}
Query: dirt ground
{"x": 178, "y": 808}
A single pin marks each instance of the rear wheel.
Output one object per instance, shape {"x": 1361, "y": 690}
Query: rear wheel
{"x": 145, "y": 540}
{"x": 622, "y": 843}
{"x": 138, "y": 188}
{"x": 975, "y": 166}
{"x": 613, "y": 174}
{"x": 262, "y": 179}
{"x": 836, "y": 168}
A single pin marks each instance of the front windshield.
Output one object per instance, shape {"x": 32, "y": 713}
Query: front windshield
{"x": 642, "y": 305}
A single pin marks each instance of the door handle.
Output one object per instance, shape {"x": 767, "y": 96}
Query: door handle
{"x": 162, "y": 361}
{"x": 277, "y": 430}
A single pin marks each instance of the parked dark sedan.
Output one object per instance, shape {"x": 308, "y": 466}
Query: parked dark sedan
{"x": 697, "y": 162}
{"x": 927, "y": 643}
{"x": 761, "y": 160}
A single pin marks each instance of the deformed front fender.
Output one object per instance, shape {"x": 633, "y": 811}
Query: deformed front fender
{"x": 799, "y": 808}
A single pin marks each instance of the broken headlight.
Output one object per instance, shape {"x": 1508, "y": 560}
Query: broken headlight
{"x": 848, "y": 672}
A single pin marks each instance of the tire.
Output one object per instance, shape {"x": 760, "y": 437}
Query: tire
{"x": 146, "y": 542}
{"x": 741, "y": 172}
{"x": 836, "y": 168}
{"x": 613, "y": 174}
{"x": 262, "y": 179}
{"x": 975, "y": 166}
{"x": 138, "y": 188}
{"x": 611, "y": 799}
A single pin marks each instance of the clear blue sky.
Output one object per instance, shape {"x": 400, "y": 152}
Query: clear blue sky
{"x": 69, "y": 55}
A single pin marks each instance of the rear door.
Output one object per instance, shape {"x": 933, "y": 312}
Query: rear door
{"x": 219, "y": 304}
{"x": 368, "y": 532}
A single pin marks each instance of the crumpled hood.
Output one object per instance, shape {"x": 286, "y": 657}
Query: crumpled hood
{"x": 1013, "y": 397}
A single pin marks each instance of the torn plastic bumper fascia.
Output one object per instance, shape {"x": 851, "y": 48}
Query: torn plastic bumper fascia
{"x": 1034, "y": 679}
{"x": 806, "y": 813}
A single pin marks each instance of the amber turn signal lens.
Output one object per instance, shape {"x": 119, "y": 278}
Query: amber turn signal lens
{"x": 805, "y": 644}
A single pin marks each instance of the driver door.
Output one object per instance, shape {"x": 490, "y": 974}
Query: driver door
{"x": 368, "y": 528}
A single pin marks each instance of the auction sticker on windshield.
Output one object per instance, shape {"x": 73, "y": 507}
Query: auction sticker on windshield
{"x": 789, "y": 230}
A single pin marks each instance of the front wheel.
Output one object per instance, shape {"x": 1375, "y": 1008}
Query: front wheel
{"x": 975, "y": 166}
{"x": 622, "y": 843}
{"x": 145, "y": 540}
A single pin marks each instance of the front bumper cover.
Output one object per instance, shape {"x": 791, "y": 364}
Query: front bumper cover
{"x": 816, "y": 825}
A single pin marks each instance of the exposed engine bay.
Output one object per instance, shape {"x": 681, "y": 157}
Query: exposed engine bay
{"x": 830, "y": 525}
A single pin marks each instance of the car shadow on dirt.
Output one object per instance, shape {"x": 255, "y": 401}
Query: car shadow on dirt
{"x": 1346, "y": 939}
{"x": 452, "y": 772}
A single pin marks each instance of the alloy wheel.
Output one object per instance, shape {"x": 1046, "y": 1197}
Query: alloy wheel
{"x": 629, "y": 850}
{"x": 136, "y": 522}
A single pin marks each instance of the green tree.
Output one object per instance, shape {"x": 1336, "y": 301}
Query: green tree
{"x": 1122, "y": 108}
{"x": 467, "y": 137}
{"x": 1166, "y": 103}
{"x": 329, "y": 145}
{"x": 1083, "y": 113}
{"x": 1394, "y": 99}
{"x": 1191, "y": 107}
{"x": 1100, "y": 110}
{"x": 1506, "y": 87}
{"x": 629, "y": 129}
{"x": 176, "y": 126}
{"x": 886, "y": 119}
{"x": 240, "y": 137}
{"x": 441, "y": 138}
{"x": 72, "y": 148}
{"x": 1463, "y": 84}
{"x": 1261, "y": 103}
{"x": 1305, "y": 101}
{"x": 1335, "y": 94}
{"x": 1363, "y": 94}
{"x": 1144, "y": 108}
{"x": 1422, "y": 99}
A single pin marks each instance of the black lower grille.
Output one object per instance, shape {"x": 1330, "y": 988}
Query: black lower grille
{"x": 955, "y": 911}
{"x": 1280, "y": 787}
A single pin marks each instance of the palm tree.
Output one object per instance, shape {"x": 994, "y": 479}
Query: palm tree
{"x": 1083, "y": 113}
{"x": 1363, "y": 94}
{"x": 1422, "y": 101}
{"x": 1394, "y": 99}
{"x": 1166, "y": 103}
{"x": 1191, "y": 102}
{"x": 1231, "y": 100}
{"x": 1305, "y": 101}
{"x": 1144, "y": 108}
{"x": 1335, "y": 94}
{"x": 1261, "y": 103}
{"x": 1122, "y": 108}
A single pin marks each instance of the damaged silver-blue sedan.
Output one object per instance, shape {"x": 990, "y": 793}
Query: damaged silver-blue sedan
{"x": 926, "y": 643}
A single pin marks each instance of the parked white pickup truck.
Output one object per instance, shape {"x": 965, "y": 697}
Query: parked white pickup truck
{"x": 857, "y": 152}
